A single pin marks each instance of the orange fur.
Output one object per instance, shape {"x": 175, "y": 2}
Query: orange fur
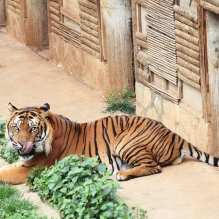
{"x": 132, "y": 146}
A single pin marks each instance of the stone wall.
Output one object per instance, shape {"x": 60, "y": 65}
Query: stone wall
{"x": 181, "y": 119}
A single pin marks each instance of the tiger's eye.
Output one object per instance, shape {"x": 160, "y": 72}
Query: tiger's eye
{"x": 16, "y": 128}
{"x": 33, "y": 129}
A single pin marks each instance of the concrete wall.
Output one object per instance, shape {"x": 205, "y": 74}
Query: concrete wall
{"x": 178, "y": 118}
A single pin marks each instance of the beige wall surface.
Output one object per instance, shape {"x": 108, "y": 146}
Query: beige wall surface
{"x": 79, "y": 64}
{"x": 180, "y": 119}
{"x": 16, "y": 26}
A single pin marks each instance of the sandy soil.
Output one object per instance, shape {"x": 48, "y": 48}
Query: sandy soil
{"x": 189, "y": 190}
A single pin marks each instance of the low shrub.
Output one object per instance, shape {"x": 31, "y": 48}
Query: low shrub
{"x": 6, "y": 153}
{"x": 121, "y": 102}
{"x": 80, "y": 188}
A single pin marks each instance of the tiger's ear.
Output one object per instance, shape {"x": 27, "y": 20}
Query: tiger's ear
{"x": 11, "y": 108}
{"x": 45, "y": 107}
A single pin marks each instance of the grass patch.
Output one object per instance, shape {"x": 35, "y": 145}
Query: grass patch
{"x": 13, "y": 206}
{"x": 121, "y": 102}
{"x": 6, "y": 152}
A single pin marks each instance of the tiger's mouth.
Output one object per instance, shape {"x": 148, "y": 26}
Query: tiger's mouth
{"x": 27, "y": 150}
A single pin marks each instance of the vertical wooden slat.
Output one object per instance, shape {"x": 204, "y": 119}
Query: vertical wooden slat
{"x": 203, "y": 65}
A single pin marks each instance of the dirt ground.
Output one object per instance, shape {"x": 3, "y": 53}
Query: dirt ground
{"x": 189, "y": 190}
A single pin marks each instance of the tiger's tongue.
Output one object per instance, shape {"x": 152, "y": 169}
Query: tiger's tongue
{"x": 27, "y": 147}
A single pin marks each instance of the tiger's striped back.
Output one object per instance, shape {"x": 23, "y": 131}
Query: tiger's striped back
{"x": 133, "y": 146}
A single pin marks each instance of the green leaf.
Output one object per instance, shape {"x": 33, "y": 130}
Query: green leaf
{"x": 102, "y": 167}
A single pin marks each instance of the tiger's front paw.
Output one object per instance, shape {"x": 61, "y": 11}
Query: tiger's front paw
{"x": 122, "y": 176}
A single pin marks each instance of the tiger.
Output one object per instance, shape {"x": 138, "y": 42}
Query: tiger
{"x": 131, "y": 146}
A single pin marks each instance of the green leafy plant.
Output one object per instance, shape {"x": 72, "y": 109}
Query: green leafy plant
{"x": 6, "y": 153}
{"x": 13, "y": 206}
{"x": 121, "y": 102}
{"x": 80, "y": 188}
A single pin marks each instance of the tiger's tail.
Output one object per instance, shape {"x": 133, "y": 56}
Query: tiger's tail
{"x": 190, "y": 150}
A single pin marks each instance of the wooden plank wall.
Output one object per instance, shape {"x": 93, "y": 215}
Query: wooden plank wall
{"x": 90, "y": 27}
{"x": 69, "y": 35}
{"x": 2, "y": 13}
{"x": 140, "y": 43}
{"x": 210, "y": 5}
{"x": 36, "y": 25}
{"x": 187, "y": 47}
{"x": 15, "y": 6}
{"x": 88, "y": 39}
{"x": 54, "y": 16}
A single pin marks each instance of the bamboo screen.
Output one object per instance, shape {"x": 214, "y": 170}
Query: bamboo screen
{"x": 161, "y": 39}
{"x": 161, "y": 46}
{"x": 187, "y": 47}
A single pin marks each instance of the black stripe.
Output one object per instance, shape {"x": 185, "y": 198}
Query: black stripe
{"x": 117, "y": 165}
{"x": 190, "y": 149}
{"x": 181, "y": 145}
{"x": 22, "y": 112}
{"x": 215, "y": 161}
{"x": 169, "y": 158}
{"x": 84, "y": 139}
{"x": 134, "y": 154}
{"x": 33, "y": 114}
{"x": 113, "y": 127}
{"x": 67, "y": 145}
{"x": 95, "y": 141}
{"x": 90, "y": 154}
{"x": 121, "y": 123}
{"x": 207, "y": 157}
{"x": 117, "y": 119}
{"x": 198, "y": 152}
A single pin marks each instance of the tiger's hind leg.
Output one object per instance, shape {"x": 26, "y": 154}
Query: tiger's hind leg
{"x": 142, "y": 167}
{"x": 118, "y": 164}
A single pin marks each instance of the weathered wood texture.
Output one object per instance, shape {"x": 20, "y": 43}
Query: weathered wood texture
{"x": 69, "y": 35}
{"x": 90, "y": 27}
{"x": 54, "y": 16}
{"x": 14, "y": 6}
{"x": 37, "y": 23}
{"x": 27, "y": 21}
{"x": 2, "y": 13}
{"x": 210, "y": 5}
{"x": 187, "y": 47}
{"x": 140, "y": 46}
{"x": 16, "y": 25}
{"x": 164, "y": 93}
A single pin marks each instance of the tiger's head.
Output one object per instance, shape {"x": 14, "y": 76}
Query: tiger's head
{"x": 28, "y": 130}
